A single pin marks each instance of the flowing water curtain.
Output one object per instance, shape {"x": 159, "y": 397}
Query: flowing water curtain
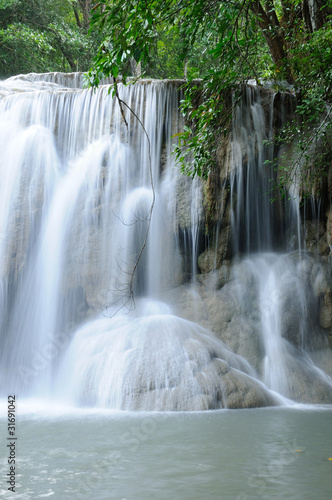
{"x": 74, "y": 217}
{"x": 74, "y": 172}
{"x": 261, "y": 219}
{"x": 274, "y": 287}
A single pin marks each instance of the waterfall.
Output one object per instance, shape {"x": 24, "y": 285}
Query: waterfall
{"x": 66, "y": 80}
{"x": 75, "y": 195}
{"x": 262, "y": 232}
{"x": 258, "y": 221}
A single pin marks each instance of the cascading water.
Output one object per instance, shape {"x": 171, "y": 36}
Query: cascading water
{"x": 84, "y": 189}
{"x": 76, "y": 194}
{"x": 284, "y": 302}
{"x": 75, "y": 199}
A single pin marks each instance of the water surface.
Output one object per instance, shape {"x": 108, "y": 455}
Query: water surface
{"x": 228, "y": 454}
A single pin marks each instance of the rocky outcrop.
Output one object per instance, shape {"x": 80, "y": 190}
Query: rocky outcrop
{"x": 219, "y": 386}
{"x": 329, "y": 227}
{"x": 183, "y": 368}
{"x": 218, "y": 251}
{"x": 229, "y": 302}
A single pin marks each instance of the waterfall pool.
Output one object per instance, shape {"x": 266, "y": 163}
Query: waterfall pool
{"x": 268, "y": 454}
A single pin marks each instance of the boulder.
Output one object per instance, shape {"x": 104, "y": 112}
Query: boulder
{"x": 246, "y": 392}
{"x": 123, "y": 364}
{"x": 306, "y": 383}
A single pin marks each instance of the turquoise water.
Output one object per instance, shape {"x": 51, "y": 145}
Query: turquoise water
{"x": 228, "y": 454}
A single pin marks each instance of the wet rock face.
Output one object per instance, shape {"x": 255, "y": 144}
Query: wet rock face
{"x": 231, "y": 298}
{"x": 306, "y": 385}
{"x": 246, "y": 393}
{"x": 159, "y": 362}
{"x": 218, "y": 386}
{"x": 236, "y": 306}
{"x": 219, "y": 250}
{"x": 316, "y": 238}
{"x": 323, "y": 360}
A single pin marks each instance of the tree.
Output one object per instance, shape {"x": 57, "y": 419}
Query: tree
{"x": 44, "y": 35}
{"x": 279, "y": 40}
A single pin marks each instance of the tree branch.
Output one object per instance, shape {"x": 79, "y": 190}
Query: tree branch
{"x": 77, "y": 17}
{"x": 130, "y": 290}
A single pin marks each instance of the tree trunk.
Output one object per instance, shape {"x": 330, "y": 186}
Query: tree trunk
{"x": 85, "y": 6}
{"x": 77, "y": 17}
{"x": 315, "y": 9}
{"x": 185, "y": 70}
{"x": 69, "y": 58}
{"x": 269, "y": 25}
{"x": 306, "y": 15}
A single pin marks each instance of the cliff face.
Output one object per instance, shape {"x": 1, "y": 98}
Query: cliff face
{"x": 235, "y": 293}
{"x": 311, "y": 195}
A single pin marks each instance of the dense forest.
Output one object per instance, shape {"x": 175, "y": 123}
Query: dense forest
{"x": 225, "y": 43}
{"x": 45, "y": 35}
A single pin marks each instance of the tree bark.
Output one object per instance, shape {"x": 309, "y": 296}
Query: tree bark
{"x": 69, "y": 58}
{"x": 269, "y": 25}
{"x": 306, "y": 15}
{"x": 185, "y": 70}
{"x": 316, "y": 13}
{"x": 77, "y": 17}
{"x": 85, "y": 6}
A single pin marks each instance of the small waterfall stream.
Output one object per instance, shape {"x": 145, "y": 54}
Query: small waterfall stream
{"x": 284, "y": 301}
{"x": 75, "y": 194}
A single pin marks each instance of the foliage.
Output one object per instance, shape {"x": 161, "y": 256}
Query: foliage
{"x": 304, "y": 145}
{"x": 34, "y": 45}
{"x": 224, "y": 43}
{"x": 205, "y": 120}
{"x": 43, "y": 35}
{"x": 309, "y": 134}
{"x": 282, "y": 40}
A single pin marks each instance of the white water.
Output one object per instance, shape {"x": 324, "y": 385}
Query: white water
{"x": 285, "y": 304}
{"x": 76, "y": 201}
{"x": 107, "y": 365}
{"x": 75, "y": 193}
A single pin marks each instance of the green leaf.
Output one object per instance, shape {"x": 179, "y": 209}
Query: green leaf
{"x": 115, "y": 70}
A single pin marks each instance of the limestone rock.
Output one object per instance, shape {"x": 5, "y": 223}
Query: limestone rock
{"x": 329, "y": 225}
{"x": 316, "y": 238}
{"x": 216, "y": 279}
{"x": 213, "y": 257}
{"x": 186, "y": 302}
{"x": 183, "y": 368}
{"x": 189, "y": 202}
{"x": 307, "y": 385}
{"x": 323, "y": 359}
{"x": 245, "y": 392}
{"x": 243, "y": 337}
{"x": 321, "y": 282}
